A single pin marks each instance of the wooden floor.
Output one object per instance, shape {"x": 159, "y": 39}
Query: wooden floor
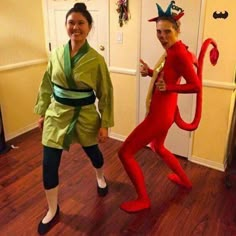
{"x": 208, "y": 209}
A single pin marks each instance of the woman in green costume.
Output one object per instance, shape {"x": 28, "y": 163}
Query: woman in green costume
{"x": 76, "y": 75}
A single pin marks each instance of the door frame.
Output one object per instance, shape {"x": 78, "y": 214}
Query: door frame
{"x": 199, "y": 45}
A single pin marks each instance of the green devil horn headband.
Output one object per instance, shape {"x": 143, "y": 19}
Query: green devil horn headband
{"x": 168, "y": 12}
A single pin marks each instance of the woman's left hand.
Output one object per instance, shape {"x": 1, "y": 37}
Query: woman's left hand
{"x": 102, "y": 135}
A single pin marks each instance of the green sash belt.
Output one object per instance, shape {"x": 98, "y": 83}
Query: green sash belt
{"x": 75, "y": 98}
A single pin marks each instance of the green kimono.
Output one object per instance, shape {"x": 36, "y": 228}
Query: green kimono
{"x": 74, "y": 79}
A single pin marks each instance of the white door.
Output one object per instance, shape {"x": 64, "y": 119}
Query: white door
{"x": 98, "y": 37}
{"x": 178, "y": 141}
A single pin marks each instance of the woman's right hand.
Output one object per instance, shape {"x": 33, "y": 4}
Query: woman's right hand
{"x": 161, "y": 84}
{"x": 143, "y": 68}
{"x": 40, "y": 122}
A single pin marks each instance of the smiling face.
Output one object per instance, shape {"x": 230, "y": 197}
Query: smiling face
{"x": 77, "y": 27}
{"x": 167, "y": 33}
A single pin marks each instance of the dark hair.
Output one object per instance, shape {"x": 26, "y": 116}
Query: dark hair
{"x": 81, "y": 8}
{"x": 176, "y": 24}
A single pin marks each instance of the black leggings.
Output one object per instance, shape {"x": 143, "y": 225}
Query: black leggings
{"x": 52, "y": 159}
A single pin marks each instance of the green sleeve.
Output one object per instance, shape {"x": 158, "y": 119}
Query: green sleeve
{"x": 45, "y": 92}
{"x": 104, "y": 93}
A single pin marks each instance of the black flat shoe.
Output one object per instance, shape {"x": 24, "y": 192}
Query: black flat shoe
{"x": 102, "y": 192}
{"x": 44, "y": 228}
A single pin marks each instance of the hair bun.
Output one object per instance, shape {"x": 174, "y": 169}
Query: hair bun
{"x": 80, "y": 6}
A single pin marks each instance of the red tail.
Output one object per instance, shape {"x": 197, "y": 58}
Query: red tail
{"x": 214, "y": 54}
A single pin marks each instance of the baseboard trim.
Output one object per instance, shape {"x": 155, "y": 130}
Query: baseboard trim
{"x": 194, "y": 159}
{"x": 20, "y": 131}
{"x": 117, "y": 136}
{"x": 207, "y": 163}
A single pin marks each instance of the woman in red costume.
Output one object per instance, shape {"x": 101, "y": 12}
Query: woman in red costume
{"x": 162, "y": 110}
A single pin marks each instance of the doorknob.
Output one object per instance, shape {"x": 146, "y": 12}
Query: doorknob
{"x": 101, "y": 47}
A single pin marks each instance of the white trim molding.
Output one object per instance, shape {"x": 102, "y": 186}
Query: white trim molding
{"x": 120, "y": 70}
{"x": 218, "y": 84}
{"x": 194, "y": 159}
{"x": 117, "y": 136}
{"x": 208, "y": 163}
{"x": 21, "y": 131}
{"x": 23, "y": 64}
{"x": 201, "y": 26}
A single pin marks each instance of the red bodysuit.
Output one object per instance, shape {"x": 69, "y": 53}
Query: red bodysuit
{"x": 178, "y": 62}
